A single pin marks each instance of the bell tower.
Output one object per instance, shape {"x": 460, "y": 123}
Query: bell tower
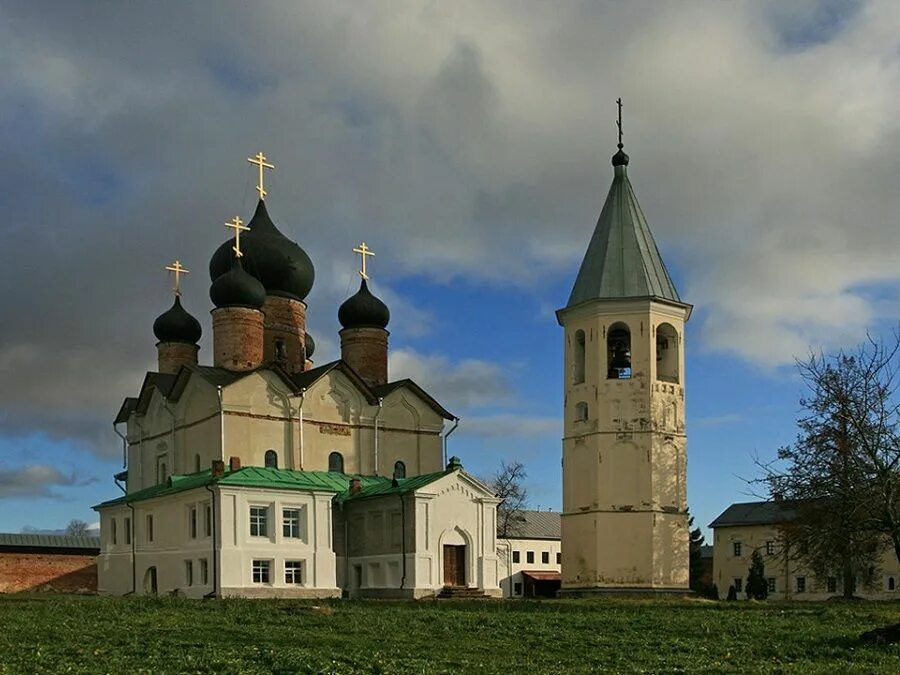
{"x": 624, "y": 521}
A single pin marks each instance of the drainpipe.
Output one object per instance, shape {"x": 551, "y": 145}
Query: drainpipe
{"x": 221, "y": 423}
{"x": 133, "y": 534}
{"x": 172, "y": 416}
{"x": 124, "y": 446}
{"x": 300, "y": 412}
{"x": 403, "y": 540}
{"x": 452, "y": 429}
{"x": 377, "y": 415}
{"x": 215, "y": 565}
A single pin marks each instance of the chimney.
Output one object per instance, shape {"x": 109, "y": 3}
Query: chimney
{"x": 218, "y": 468}
{"x": 234, "y": 463}
{"x": 355, "y": 486}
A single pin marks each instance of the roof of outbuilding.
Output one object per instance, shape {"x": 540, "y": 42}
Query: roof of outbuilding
{"x": 60, "y": 541}
{"x": 380, "y": 486}
{"x": 622, "y": 259}
{"x": 534, "y": 525}
{"x": 756, "y": 513}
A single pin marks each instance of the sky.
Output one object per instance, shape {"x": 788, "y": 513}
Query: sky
{"x": 468, "y": 143}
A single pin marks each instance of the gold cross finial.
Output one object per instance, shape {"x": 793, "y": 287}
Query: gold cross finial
{"x": 238, "y": 226}
{"x": 260, "y": 160}
{"x": 178, "y": 270}
{"x": 364, "y": 252}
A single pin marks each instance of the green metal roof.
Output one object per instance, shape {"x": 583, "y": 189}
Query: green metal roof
{"x": 280, "y": 479}
{"x": 622, "y": 260}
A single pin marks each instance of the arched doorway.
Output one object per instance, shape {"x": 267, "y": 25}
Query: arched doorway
{"x": 150, "y": 587}
{"x": 454, "y": 558}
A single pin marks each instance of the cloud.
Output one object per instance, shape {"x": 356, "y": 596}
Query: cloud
{"x": 510, "y": 425}
{"x": 35, "y": 480}
{"x": 469, "y": 383}
{"x": 462, "y": 141}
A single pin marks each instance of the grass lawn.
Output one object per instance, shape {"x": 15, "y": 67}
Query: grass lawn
{"x": 52, "y": 633}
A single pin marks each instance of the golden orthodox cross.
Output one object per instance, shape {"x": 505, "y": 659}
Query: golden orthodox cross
{"x": 364, "y": 252}
{"x": 178, "y": 270}
{"x": 238, "y": 226}
{"x": 260, "y": 160}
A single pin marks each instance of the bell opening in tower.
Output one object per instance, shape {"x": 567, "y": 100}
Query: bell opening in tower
{"x": 666, "y": 353}
{"x": 618, "y": 352}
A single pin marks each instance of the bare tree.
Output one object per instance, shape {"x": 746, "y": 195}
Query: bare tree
{"x": 841, "y": 474}
{"x": 507, "y": 483}
{"x": 77, "y": 528}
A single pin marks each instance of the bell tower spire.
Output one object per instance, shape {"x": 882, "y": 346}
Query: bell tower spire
{"x": 624, "y": 521}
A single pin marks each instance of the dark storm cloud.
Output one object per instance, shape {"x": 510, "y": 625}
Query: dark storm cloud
{"x": 443, "y": 131}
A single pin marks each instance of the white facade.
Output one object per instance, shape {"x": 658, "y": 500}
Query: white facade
{"x": 526, "y": 555}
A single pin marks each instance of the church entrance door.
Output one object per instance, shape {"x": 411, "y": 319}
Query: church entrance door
{"x": 454, "y": 565}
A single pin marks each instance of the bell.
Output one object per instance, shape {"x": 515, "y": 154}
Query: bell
{"x": 620, "y": 356}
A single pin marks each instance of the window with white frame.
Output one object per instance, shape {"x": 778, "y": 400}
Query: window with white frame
{"x": 188, "y": 572}
{"x": 150, "y": 527}
{"x": 770, "y": 548}
{"x": 529, "y": 557}
{"x": 736, "y": 546}
{"x": 261, "y": 571}
{"x": 291, "y": 523}
{"x": 293, "y": 572}
{"x": 207, "y": 520}
{"x": 801, "y": 584}
{"x": 128, "y": 531}
{"x": 558, "y": 558}
{"x": 770, "y": 584}
{"x": 259, "y": 525}
{"x": 516, "y": 556}
{"x": 204, "y": 571}
{"x": 114, "y": 535}
{"x": 545, "y": 557}
{"x": 192, "y": 522}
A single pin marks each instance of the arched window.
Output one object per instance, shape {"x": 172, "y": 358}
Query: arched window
{"x": 666, "y": 353}
{"x": 578, "y": 358}
{"x": 618, "y": 352}
{"x": 399, "y": 470}
{"x": 581, "y": 412}
{"x": 196, "y": 463}
{"x": 271, "y": 459}
{"x": 336, "y": 462}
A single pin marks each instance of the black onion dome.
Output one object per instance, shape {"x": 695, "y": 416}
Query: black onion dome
{"x": 364, "y": 310}
{"x": 237, "y": 288}
{"x": 281, "y": 265}
{"x": 176, "y": 325}
{"x": 620, "y": 158}
{"x": 310, "y": 345}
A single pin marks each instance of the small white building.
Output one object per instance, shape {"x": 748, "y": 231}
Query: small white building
{"x": 530, "y": 556}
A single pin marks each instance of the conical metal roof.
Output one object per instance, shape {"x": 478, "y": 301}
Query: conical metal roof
{"x": 622, "y": 260}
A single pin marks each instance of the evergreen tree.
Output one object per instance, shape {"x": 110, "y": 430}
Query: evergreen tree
{"x": 757, "y": 587}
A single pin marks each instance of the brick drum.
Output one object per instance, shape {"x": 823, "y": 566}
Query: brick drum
{"x": 286, "y": 321}
{"x": 173, "y": 355}
{"x": 47, "y": 572}
{"x": 366, "y": 350}
{"x": 237, "y": 338}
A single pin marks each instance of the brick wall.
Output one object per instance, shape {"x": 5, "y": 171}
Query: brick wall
{"x": 285, "y": 321}
{"x": 47, "y": 571}
{"x": 366, "y": 350}
{"x": 173, "y": 355}
{"x": 237, "y": 338}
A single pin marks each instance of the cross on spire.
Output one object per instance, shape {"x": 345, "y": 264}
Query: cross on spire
{"x": 619, "y": 121}
{"x": 178, "y": 269}
{"x": 260, "y": 160}
{"x": 238, "y": 226}
{"x": 364, "y": 252}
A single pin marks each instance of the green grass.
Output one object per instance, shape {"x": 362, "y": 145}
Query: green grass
{"x": 51, "y": 633}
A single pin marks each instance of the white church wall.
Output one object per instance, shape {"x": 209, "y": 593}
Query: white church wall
{"x": 240, "y": 547}
{"x": 541, "y": 550}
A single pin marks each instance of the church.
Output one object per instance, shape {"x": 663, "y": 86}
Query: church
{"x": 265, "y": 475}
